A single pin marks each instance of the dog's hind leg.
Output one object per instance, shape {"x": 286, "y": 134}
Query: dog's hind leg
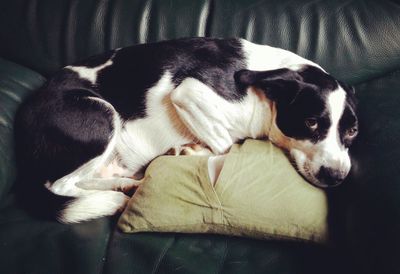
{"x": 87, "y": 139}
{"x": 88, "y": 203}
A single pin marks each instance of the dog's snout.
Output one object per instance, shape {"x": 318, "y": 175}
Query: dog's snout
{"x": 330, "y": 177}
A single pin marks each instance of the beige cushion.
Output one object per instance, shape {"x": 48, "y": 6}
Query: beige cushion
{"x": 258, "y": 194}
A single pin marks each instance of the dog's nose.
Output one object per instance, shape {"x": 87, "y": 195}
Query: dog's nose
{"x": 330, "y": 177}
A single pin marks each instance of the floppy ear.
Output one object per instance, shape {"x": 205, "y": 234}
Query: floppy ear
{"x": 280, "y": 85}
{"x": 348, "y": 88}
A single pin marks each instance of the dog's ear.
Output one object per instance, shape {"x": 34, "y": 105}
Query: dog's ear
{"x": 348, "y": 88}
{"x": 280, "y": 85}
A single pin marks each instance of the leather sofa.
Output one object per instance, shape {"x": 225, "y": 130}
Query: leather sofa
{"x": 356, "y": 41}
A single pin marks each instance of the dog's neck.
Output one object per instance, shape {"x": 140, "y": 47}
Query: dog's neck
{"x": 255, "y": 116}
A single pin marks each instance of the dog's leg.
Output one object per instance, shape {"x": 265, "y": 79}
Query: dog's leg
{"x": 198, "y": 110}
{"x": 114, "y": 183}
{"x": 87, "y": 204}
{"x": 112, "y": 175}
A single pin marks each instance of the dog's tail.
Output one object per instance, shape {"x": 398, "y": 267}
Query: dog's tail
{"x": 44, "y": 204}
{"x": 94, "y": 205}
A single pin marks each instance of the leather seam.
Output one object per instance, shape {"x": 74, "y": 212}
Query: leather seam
{"x": 162, "y": 255}
{"x": 209, "y": 19}
{"x": 223, "y": 258}
{"x": 106, "y": 250}
{"x": 108, "y": 22}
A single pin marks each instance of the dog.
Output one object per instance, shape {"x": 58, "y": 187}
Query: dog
{"x": 96, "y": 123}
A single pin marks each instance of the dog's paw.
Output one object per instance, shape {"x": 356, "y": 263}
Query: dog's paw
{"x": 190, "y": 149}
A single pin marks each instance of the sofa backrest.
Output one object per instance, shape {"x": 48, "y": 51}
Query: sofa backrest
{"x": 354, "y": 40}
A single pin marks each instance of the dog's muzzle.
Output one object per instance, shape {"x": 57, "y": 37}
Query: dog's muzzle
{"x": 322, "y": 170}
{"x": 330, "y": 177}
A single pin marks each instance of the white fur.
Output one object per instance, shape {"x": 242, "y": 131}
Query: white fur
{"x": 88, "y": 204}
{"x": 263, "y": 57}
{"x": 212, "y": 119}
{"x": 216, "y": 121}
{"x": 110, "y": 183}
{"x": 89, "y": 74}
{"x": 108, "y": 154}
{"x": 94, "y": 204}
{"x": 143, "y": 139}
{"x": 331, "y": 152}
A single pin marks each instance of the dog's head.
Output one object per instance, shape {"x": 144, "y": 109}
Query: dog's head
{"x": 313, "y": 118}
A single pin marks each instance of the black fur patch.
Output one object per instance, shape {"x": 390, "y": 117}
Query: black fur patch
{"x": 57, "y": 129}
{"x": 319, "y": 78}
{"x": 291, "y": 117}
{"x": 311, "y": 102}
{"x": 299, "y": 95}
{"x": 139, "y": 67}
{"x": 56, "y": 132}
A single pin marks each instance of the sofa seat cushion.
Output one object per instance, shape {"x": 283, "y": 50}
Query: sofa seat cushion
{"x": 140, "y": 253}
{"x": 29, "y": 245}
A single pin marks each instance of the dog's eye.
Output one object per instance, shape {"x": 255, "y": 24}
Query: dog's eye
{"x": 311, "y": 123}
{"x": 351, "y": 132}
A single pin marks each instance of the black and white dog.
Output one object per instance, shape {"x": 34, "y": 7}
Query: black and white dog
{"x": 82, "y": 137}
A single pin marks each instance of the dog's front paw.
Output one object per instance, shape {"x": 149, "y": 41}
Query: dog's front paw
{"x": 190, "y": 149}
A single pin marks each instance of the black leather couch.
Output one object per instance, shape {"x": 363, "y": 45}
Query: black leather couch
{"x": 357, "y": 41}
